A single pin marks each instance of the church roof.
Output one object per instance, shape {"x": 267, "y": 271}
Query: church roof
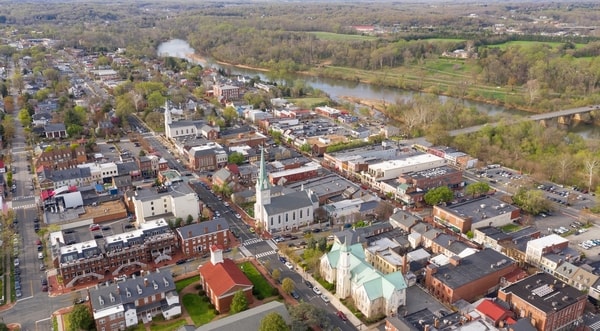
{"x": 287, "y": 202}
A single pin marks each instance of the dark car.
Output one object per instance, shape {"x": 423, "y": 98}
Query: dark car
{"x": 129, "y": 226}
{"x": 36, "y": 227}
{"x": 308, "y": 284}
{"x": 182, "y": 261}
{"x": 317, "y": 230}
{"x": 295, "y": 295}
{"x": 282, "y": 259}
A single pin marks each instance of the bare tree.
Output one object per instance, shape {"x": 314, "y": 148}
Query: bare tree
{"x": 533, "y": 89}
{"x": 590, "y": 167}
{"x": 565, "y": 164}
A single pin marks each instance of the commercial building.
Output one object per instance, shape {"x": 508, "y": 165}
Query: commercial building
{"x": 174, "y": 201}
{"x": 196, "y": 239}
{"x": 115, "y": 255}
{"x": 469, "y": 277}
{"x": 469, "y": 215}
{"x": 548, "y": 303}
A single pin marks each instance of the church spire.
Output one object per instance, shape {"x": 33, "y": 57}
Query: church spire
{"x": 263, "y": 181}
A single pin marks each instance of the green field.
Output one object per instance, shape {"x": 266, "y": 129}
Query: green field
{"x": 308, "y": 102}
{"x": 167, "y": 326}
{"x": 530, "y": 44}
{"x": 342, "y": 37}
{"x": 198, "y": 309}
{"x": 180, "y": 285}
{"x": 261, "y": 285}
{"x": 449, "y": 40}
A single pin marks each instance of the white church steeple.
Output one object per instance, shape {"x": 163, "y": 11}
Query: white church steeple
{"x": 342, "y": 289}
{"x": 263, "y": 192}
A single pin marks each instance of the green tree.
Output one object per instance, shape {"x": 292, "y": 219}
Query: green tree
{"x": 239, "y": 302}
{"x": 273, "y": 321}
{"x": 236, "y": 158}
{"x": 288, "y": 285}
{"x": 305, "y": 315}
{"x": 8, "y": 125}
{"x": 531, "y": 201}
{"x": 81, "y": 318}
{"x": 439, "y": 195}
{"x": 306, "y": 148}
{"x": 477, "y": 188}
{"x": 3, "y": 327}
{"x": 74, "y": 130}
{"x": 276, "y": 274}
{"x": 189, "y": 219}
{"x": 155, "y": 100}
{"x": 230, "y": 113}
{"x": 24, "y": 117}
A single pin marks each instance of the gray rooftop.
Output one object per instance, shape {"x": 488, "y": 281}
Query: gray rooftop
{"x": 292, "y": 201}
{"x": 131, "y": 290}
{"x": 545, "y": 292}
{"x": 152, "y": 193}
{"x": 198, "y": 229}
{"x": 479, "y": 209}
{"x": 472, "y": 267}
{"x": 247, "y": 320}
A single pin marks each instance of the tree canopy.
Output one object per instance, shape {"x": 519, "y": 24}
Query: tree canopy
{"x": 438, "y": 195}
{"x": 239, "y": 302}
{"x": 81, "y": 318}
{"x": 273, "y": 321}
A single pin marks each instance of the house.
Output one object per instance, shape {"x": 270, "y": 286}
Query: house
{"x": 122, "y": 305}
{"x": 248, "y": 319}
{"x": 360, "y": 132}
{"x": 469, "y": 277}
{"x": 373, "y": 293}
{"x": 197, "y": 238}
{"x": 221, "y": 279}
{"x": 226, "y": 92}
{"x": 494, "y": 312}
{"x": 548, "y": 303}
{"x": 41, "y": 119}
{"x": 469, "y": 215}
{"x": 55, "y": 130}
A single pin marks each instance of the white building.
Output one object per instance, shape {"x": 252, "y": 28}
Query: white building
{"x": 373, "y": 292}
{"x": 394, "y": 168}
{"x": 175, "y": 201}
{"x": 285, "y": 212}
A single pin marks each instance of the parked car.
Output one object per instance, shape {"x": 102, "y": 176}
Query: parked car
{"x": 16, "y": 262}
{"x": 308, "y": 284}
{"x": 94, "y": 227}
{"x": 316, "y": 290}
{"x": 325, "y": 298}
{"x": 341, "y": 315}
{"x": 295, "y": 295}
{"x": 289, "y": 265}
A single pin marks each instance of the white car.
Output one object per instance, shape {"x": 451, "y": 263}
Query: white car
{"x": 325, "y": 298}
{"x": 17, "y": 262}
{"x": 316, "y": 290}
{"x": 238, "y": 216}
{"x": 289, "y": 265}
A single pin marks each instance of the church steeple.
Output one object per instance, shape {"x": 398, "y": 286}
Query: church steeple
{"x": 262, "y": 183}
{"x": 168, "y": 119}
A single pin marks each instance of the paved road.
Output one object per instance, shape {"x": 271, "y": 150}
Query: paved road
{"x": 34, "y": 308}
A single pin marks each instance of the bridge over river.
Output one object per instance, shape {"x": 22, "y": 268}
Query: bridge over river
{"x": 563, "y": 117}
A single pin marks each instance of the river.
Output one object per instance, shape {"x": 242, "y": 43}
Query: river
{"x": 337, "y": 88}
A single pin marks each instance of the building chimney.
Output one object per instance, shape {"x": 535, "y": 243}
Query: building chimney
{"x": 206, "y": 229}
{"x": 405, "y": 264}
{"x": 404, "y": 216}
{"x": 436, "y": 323}
{"x": 454, "y": 260}
{"x": 216, "y": 254}
{"x": 189, "y": 234}
{"x": 219, "y": 227}
{"x": 146, "y": 282}
{"x": 118, "y": 289}
{"x": 426, "y": 327}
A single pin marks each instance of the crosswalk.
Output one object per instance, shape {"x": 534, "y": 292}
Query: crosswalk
{"x": 27, "y": 206}
{"x": 246, "y": 252}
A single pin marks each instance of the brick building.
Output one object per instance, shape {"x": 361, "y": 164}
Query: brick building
{"x": 294, "y": 175}
{"x": 221, "y": 279}
{"x": 476, "y": 213}
{"x": 196, "y": 239}
{"x": 469, "y": 277}
{"x": 547, "y": 302}
{"x": 115, "y": 255}
{"x": 61, "y": 158}
{"x": 228, "y": 92}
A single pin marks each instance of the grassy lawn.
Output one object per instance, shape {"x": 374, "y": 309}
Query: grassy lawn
{"x": 261, "y": 285}
{"x": 180, "y": 285}
{"x": 508, "y": 228}
{"x": 139, "y": 327}
{"x": 198, "y": 308}
{"x": 524, "y": 43}
{"x": 66, "y": 321}
{"x": 166, "y": 326}
{"x": 308, "y": 102}
{"x": 342, "y": 37}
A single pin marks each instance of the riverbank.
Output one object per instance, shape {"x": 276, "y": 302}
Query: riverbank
{"x": 200, "y": 59}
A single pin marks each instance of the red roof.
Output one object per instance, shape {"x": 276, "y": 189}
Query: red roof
{"x": 215, "y": 247}
{"x": 233, "y": 168}
{"x": 492, "y": 310}
{"x": 223, "y": 277}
